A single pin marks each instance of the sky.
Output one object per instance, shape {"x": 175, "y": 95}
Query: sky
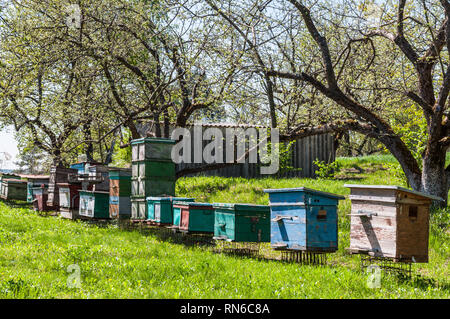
{"x": 9, "y": 145}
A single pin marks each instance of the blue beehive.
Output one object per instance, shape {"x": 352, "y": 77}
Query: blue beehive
{"x": 303, "y": 219}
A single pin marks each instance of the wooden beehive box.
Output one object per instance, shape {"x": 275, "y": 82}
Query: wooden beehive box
{"x": 304, "y": 219}
{"x": 34, "y": 181}
{"x": 242, "y": 222}
{"x": 14, "y": 189}
{"x": 94, "y": 204}
{"x": 139, "y": 209}
{"x": 69, "y": 200}
{"x": 57, "y": 175}
{"x": 390, "y": 222}
{"x": 119, "y": 193}
{"x": 160, "y": 209}
{"x": 143, "y": 187}
{"x": 154, "y": 149}
{"x": 96, "y": 172}
{"x": 196, "y": 217}
{"x": 40, "y": 195}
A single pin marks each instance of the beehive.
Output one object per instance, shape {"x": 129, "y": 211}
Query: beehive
{"x": 69, "y": 200}
{"x": 119, "y": 193}
{"x": 304, "y": 219}
{"x": 14, "y": 189}
{"x": 94, "y": 204}
{"x": 160, "y": 209}
{"x": 40, "y": 198}
{"x": 390, "y": 222}
{"x": 34, "y": 181}
{"x": 153, "y": 173}
{"x": 196, "y": 217}
{"x": 242, "y": 222}
{"x": 57, "y": 175}
{"x": 98, "y": 172}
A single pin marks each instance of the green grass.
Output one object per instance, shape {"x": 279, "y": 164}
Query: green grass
{"x": 35, "y": 252}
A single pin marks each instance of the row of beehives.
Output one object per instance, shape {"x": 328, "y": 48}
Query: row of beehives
{"x": 386, "y": 221}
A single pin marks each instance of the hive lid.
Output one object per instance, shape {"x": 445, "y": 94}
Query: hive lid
{"x": 194, "y": 204}
{"x": 94, "y": 192}
{"x": 153, "y": 140}
{"x": 170, "y": 198}
{"x": 239, "y": 206}
{"x": 399, "y": 188}
{"x": 304, "y": 190}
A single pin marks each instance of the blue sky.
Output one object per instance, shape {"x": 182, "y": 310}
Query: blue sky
{"x": 8, "y": 144}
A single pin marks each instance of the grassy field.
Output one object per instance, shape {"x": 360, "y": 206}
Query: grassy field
{"x": 116, "y": 262}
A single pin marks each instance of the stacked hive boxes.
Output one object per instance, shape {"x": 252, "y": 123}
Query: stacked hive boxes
{"x": 153, "y": 173}
{"x": 119, "y": 193}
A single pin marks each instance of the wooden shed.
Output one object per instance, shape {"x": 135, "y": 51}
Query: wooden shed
{"x": 390, "y": 222}
{"x": 304, "y": 219}
{"x": 242, "y": 223}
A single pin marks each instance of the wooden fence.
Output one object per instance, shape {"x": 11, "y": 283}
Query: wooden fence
{"x": 302, "y": 155}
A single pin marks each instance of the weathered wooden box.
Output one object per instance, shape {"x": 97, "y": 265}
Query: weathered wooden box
{"x": 196, "y": 217}
{"x": 69, "y": 200}
{"x": 242, "y": 222}
{"x": 304, "y": 219}
{"x": 119, "y": 193}
{"x": 57, "y": 175}
{"x": 96, "y": 171}
{"x": 94, "y": 204}
{"x": 160, "y": 209}
{"x": 155, "y": 149}
{"x": 40, "y": 195}
{"x": 390, "y": 222}
{"x": 14, "y": 189}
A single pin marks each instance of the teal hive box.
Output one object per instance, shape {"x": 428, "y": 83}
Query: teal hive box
{"x": 242, "y": 222}
{"x": 196, "y": 217}
{"x": 159, "y": 209}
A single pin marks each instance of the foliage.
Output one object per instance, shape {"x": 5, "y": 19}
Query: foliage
{"x": 326, "y": 170}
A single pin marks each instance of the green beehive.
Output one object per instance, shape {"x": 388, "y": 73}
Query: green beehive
{"x": 13, "y": 189}
{"x": 94, "y": 204}
{"x": 149, "y": 169}
{"x": 196, "y": 217}
{"x": 141, "y": 188}
{"x": 242, "y": 222}
{"x": 160, "y": 208}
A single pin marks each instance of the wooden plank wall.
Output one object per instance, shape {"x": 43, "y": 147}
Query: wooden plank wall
{"x": 304, "y": 152}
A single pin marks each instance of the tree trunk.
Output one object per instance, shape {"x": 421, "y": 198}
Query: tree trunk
{"x": 434, "y": 177}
